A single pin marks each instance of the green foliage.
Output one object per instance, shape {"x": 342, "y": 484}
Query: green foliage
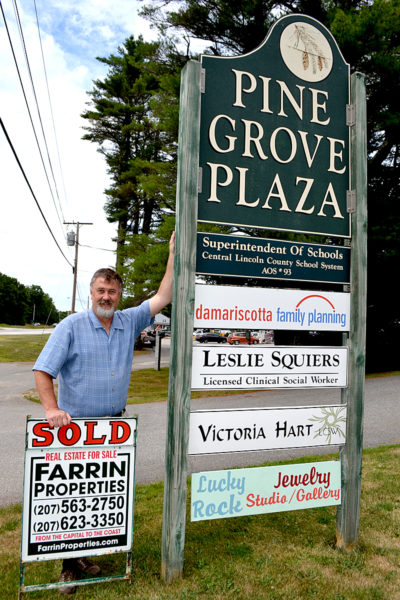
{"x": 144, "y": 264}
{"x": 14, "y": 301}
{"x": 369, "y": 36}
{"x": 232, "y": 26}
{"x": 44, "y": 309}
{"x": 20, "y": 304}
{"x": 133, "y": 117}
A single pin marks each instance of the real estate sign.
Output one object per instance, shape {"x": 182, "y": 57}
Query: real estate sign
{"x": 274, "y": 141}
{"x": 78, "y": 488}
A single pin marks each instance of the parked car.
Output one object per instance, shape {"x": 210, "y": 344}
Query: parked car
{"x": 160, "y": 332}
{"x": 210, "y": 337}
{"x": 239, "y": 337}
{"x": 269, "y": 336}
{"x": 148, "y": 339}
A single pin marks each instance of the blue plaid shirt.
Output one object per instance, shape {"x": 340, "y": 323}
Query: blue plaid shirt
{"x": 93, "y": 368}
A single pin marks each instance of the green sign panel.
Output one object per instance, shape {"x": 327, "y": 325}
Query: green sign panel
{"x": 240, "y": 492}
{"x": 261, "y": 258}
{"x": 274, "y": 143}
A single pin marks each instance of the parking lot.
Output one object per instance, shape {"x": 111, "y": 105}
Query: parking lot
{"x": 234, "y": 338}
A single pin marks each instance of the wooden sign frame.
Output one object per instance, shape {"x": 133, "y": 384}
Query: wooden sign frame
{"x": 175, "y": 489}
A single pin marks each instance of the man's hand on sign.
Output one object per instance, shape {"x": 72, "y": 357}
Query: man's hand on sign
{"x": 57, "y": 417}
{"x": 172, "y": 243}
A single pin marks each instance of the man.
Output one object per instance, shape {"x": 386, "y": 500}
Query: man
{"x": 91, "y": 353}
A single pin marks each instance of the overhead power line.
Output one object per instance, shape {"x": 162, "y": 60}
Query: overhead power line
{"x": 50, "y": 104}
{"x": 30, "y": 188}
{"x": 95, "y": 248}
{"x": 27, "y": 104}
{"x": 21, "y": 34}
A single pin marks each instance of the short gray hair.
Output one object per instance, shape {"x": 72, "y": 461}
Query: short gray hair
{"x": 108, "y": 275}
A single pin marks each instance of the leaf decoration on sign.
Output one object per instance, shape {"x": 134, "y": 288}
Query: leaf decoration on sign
{"x": 330, "y": 420}
{"x": 311, "y": 52}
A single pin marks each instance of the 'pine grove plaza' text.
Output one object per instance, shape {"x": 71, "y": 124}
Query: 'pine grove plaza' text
{"x": 308, "y": 104}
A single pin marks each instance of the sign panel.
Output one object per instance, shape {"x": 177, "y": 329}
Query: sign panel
{"x": 255, "y": 429}
{"x": 268, "y": 308}
{"x": 274, "y": 143}
{"x": 78, "y": 488}
{"x": 260, "y": 367}
{"x": 240, "y": 492}
{"x": 240, "y": 256}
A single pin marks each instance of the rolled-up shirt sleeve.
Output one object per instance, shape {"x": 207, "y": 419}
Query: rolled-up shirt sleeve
{"x": 55, "y": 352}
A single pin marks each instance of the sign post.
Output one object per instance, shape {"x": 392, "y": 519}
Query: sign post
{"x": 252, "y": 367}
{"x": 173, "y": 533}
{"x": 348, "y": 516}
{"x": 262, "y": 258}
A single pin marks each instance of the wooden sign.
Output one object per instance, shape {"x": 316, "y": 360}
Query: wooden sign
{"x": 240, "y": 492}
{"x": 261, "y": 258}
{"x": 255, "y": 429}
{"x": 273, "y": 145}
{"x": 260, "y": 367}
{"x": 261, "y": 308}
{"x": 274, "y": 141}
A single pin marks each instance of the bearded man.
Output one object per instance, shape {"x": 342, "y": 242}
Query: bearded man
{"x": 91, "y": 353}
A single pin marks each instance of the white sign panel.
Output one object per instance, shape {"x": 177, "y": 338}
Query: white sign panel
{"x": 260, "y": 367}
{"x": 78, "y": 488}
{"x": 245, "y": 430}
{"x": 267, "y": 308}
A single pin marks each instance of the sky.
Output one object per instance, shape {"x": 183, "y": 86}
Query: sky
{"x": 72, "y": 35}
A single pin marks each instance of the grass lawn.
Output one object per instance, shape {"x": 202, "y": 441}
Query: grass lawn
{"x": 21, "y": 348}
{"x": 280, "y": 556}
{"x": 149, "y": 385}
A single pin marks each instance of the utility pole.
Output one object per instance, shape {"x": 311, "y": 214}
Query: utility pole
{"x": 74, "y": 241}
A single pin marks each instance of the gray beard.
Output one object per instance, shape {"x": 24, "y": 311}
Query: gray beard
{"x": 105, "y": 313}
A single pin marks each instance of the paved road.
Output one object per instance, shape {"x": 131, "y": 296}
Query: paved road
{"x": 23, "y": 331}
{"x": 381, "y": 424}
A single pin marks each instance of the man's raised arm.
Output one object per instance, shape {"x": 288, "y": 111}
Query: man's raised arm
{"x": 164, "y": 293}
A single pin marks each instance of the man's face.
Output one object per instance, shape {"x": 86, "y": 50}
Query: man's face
{"x": 105, "y": 297}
